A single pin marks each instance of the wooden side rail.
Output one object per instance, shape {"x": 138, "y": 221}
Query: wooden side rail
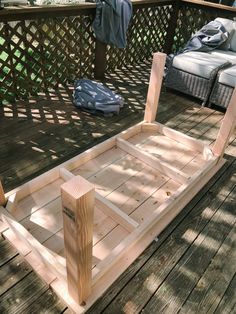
{"x": 2, "y": 195}
{"x": 227, "y": 127}
{"x": 53, "y": 261}
{"x": 212, "y": 5}
{"x": 23, "y": 12}
{"x": 65, "y": 174}
{"x": 78, "y": 210}
{"x": 152, "y": 161}
{"x": 106, "y": 206}
{"x": 184, "y": 139}
{"x": 132, "y": 245}
{"x": 154, "y": 89}
{"x": 115, "y": 213}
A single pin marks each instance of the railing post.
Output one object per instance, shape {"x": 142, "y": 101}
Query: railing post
{"x": 78, "y": 209}
{"x": 2, "y": 195}
{"x": 154, "y": 89}
{"x": 100, "y": 60}
{"x": 172, "y": 27}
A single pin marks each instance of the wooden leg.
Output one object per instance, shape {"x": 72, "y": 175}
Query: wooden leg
{"x": 226, "y": 128}
{"x": 2, "y": 195}
{"x": 78, "y": 203}
{"x": 154, "y": 88}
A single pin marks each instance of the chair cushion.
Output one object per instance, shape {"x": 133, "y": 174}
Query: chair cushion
{"x": 228, "y": 76}
{"x": 198, "y": 63}
{"x": 229, "y": 27}
{"x": 226, "y": 55}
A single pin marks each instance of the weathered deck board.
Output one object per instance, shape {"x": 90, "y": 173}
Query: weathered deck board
{"x": 12, "y": 272}
{"x": 61, "y": 131}
{"x": 7, "y": 251}
{"x": 39, "y": 140}
{"x": 22, "y": 294}
{"x": 228, "y": 302}
{"x": 137, "y": 292}
{"x": 207, "y": 292}
{"x": 190, "y": 271}
{"x": 47, "y": 303}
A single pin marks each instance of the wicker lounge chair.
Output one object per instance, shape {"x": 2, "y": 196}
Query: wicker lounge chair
{"x": 223, "y": 87}
{"x": 194, "y": 73}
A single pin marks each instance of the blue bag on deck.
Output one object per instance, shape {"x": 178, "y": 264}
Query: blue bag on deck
{"x": 95, "y": 98}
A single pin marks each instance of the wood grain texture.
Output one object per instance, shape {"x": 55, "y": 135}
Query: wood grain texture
{"x": 189, "y": 141}
{"x": 115, "y": 213}
{"x": 129, "y": 249}
{"x": 228, "y": 302}
{"x": 78, "y": 200}
{"x": 169, "y": 109}
{"x": 171, "y": 296}
{"x": 25, "y": 292}
{"x": 152, "y": 161}
{"x": 227, "y": 127}
{"x": 47, "y": 303}
{"x": 154, "y": 88}
{"x": 25, "y": 243}
{"x": 137, "y": 286}
{"x": 208, "y": 291}
{"x": 7, "y": 251}
{"x": 12, "y": 272}
{"x": 2, "y": 195}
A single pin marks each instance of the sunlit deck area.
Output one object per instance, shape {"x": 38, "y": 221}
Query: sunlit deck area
{"x": 139, "y": 179}
{"x": 191, "y": 266}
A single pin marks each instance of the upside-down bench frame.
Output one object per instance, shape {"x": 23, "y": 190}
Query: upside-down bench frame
{"x": 72, "y": 277}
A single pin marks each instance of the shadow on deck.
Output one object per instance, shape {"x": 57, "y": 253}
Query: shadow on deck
{"x": 44, "y": 131}
{"x": 191, "y": 268}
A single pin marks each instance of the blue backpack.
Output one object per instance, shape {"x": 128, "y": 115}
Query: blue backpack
{"x": 95, "y": 98}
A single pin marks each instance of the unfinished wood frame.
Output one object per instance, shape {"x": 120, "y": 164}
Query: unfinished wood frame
{"x": 106, "y": 206}
{"x": 74, "y": 278}
{"x": 77, "y": 197}
{"x": 2, "y": 195}
{"x": 227, "y": 127}
{"x": 152, "y": 161}
{"x": 154, "y": 89}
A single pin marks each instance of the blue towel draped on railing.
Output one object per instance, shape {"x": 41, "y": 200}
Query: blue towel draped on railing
{"x": 111, "y": 21}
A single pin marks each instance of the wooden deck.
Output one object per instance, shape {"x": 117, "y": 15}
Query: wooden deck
{"x": 191, "y": 268}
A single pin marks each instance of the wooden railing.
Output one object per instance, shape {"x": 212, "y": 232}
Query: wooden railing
{"x": 192, "y": 15}
{"x": 41, "y": 47}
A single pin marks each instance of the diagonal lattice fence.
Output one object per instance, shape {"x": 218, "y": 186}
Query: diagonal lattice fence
{"x": 42, "y": 48}
{"x": 41, "y": 53}
{"x": 37, "y": 53}
{"x": 146, "y": 35}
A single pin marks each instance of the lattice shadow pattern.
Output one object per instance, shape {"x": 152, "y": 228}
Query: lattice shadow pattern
{"x": 146, "y": 34}
{"x": 40, "y": 54}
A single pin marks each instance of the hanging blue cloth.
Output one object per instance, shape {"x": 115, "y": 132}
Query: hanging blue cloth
{"x": 112, "y": 20}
